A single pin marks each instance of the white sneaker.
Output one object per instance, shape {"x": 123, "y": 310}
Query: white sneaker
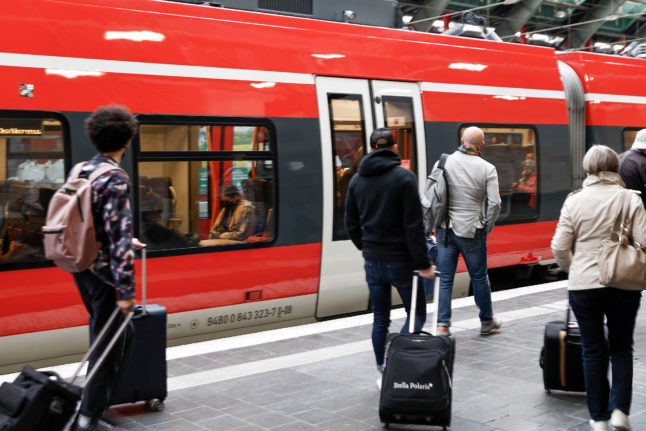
{"x": 598, "y": 425}
{"x": 619, "y": 421}
{"x": 379, "y": 384}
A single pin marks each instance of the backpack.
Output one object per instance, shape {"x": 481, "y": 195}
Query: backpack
{"x": 69, "y": 234}
{"x": 435, "y": 201}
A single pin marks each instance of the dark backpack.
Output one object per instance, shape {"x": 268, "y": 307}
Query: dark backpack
{"x": 69, "y": 233}
{"x": 435, "y": 201}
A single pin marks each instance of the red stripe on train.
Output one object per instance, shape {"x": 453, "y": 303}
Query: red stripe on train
{"x": 492, "y": 109}
{"x": 44, "y": 299}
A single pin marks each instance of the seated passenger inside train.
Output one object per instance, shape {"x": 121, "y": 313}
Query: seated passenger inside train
{"x": 527, "y": 181}
{"x": 236, "y": 220}
{"x": 157, "y": 234}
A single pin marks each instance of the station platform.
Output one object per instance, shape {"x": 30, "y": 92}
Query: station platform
{"x": 322, "y": 376}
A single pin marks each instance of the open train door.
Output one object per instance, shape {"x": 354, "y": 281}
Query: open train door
{"x": 347, "y": 111}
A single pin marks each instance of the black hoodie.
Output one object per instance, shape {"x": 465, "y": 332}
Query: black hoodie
{"x": 383, "y": 214}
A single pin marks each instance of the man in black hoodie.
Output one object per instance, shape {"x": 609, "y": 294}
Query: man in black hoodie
{"x": 383, "y": 217}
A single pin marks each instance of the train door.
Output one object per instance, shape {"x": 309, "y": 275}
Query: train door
{"x": 348, "y": 111}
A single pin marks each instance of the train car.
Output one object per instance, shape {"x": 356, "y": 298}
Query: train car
{"x": 281, "y": 107}
{"x": 611, "y": 98}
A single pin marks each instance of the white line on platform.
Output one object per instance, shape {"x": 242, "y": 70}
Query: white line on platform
{"x": 270, "y": 336}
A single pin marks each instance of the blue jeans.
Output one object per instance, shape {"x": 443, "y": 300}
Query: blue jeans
{"x": 620, "y": 309}
{"x": 431, "y": 251}
{"x": 380, "y": 276}
{"x": 474, "y": 252}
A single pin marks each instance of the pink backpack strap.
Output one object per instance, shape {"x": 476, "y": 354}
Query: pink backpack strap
{"x": 76, "y": 170}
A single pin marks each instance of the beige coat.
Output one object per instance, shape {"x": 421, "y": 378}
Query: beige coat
{"x": 587, "y": 217}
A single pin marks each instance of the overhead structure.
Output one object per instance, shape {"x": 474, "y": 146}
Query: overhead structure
{"x": 517, "y": 17}
{"x": 592, "y": 21}
{"x": 428, "y": 10}
{"x": 596, "y": 25}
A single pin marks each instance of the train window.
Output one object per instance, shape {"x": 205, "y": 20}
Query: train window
{"x": 219, "y": 192}
{"x": 398, "y": 115}
{"x": 31, "y": 169}
{"x": 512, "y": 150}
{"x": 190, "y": 138}
{"x": 348, "y": 137}
{"x": 629, "y": 137}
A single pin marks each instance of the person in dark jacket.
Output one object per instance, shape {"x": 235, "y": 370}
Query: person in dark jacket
{"x": 383, "y": 217}
{"x": 633, "y": 165}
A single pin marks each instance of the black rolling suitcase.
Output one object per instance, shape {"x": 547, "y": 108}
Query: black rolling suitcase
{"x": 561, "y": 356}
{"x": 143, "y": 372}
{"x": 417, "y": 382}
{"x": 42, "y": 400}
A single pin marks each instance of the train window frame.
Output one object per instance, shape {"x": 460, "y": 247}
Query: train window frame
{"x": 537, "y": 152}
{"x": 401, "y": 149}
{"x": 627, "y": 146}
{"x": 67, "y": 165}
{"x": 189, "y": 156}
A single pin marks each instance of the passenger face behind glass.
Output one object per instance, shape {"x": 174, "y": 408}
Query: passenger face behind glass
{"x": 230, "y": 202}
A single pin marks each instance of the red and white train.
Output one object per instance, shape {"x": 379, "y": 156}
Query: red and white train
{"x": 281, "y": 107}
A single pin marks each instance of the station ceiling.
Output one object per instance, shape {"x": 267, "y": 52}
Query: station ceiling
{"x": 599, "y": 25}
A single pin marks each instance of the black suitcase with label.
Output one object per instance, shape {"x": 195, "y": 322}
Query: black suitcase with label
{"x": 42, "y": 400}
{"x": 417, "y": 382}
{"x": 561, "y": 357}
{"x": 143, "y": 372}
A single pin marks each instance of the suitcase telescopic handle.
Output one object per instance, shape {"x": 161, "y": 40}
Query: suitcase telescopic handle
{"x": 413, "y": 302}
{"x": 143, "y": 278}
{"x": 98, "y": 340}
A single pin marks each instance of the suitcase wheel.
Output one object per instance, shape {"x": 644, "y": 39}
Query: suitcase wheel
{"x": 155, "y": 405}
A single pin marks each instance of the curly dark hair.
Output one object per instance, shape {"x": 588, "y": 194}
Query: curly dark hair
{"x": 110, "y": 128}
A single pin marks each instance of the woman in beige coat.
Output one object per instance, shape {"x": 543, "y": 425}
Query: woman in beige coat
{"x": 587, "y": 217}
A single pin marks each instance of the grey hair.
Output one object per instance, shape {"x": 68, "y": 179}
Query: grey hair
{"x": 600, "y": 158}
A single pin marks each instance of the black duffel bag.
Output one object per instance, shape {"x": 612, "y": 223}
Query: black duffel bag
{"x": 37, "y": 400}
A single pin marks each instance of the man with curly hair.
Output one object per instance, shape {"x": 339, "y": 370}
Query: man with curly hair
{"x": 110, "y": 279}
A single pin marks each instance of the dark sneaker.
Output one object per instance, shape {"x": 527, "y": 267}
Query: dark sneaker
{"x": 490, "y": 326}
{"x": 443, "y": 329}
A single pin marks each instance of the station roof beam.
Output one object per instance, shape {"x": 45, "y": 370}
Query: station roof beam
{"x": 517, "y": 17}
{"x": 593, "y": 19}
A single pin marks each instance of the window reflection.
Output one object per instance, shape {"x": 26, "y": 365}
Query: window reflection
{"x": 348, "y": 137}
{"x": 629, "y": 137}
{"x": 31, "y": 169}
{"x": 398, "y": 115}
{"x": 223, "y": 199}
{"x": 513, "y": 152}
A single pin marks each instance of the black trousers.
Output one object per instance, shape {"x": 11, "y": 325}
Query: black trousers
{"x": 100, "y": 300}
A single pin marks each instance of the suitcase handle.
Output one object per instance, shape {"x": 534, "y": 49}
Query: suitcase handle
{"x": 98, "y": 339}
{"x": 413, "y": 305}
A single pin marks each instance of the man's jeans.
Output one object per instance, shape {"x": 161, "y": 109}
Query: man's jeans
{"x": 474, "y": 252}
{"x": 620, "y": 309}
{"x": 380, "y": 277}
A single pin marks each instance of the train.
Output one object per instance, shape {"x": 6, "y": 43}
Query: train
{"x": 281, "y": 107}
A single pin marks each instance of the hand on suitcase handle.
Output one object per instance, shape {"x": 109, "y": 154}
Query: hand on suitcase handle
{"x": 429, "y": 272}
{"x": 126, "y": 305}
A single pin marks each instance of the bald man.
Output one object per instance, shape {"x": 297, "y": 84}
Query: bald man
{"x": 474, "y": 205}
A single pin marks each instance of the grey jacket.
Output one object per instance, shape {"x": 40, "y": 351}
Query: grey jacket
{"x": 587, "y": 217}
{"x": 474, "y": 198}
